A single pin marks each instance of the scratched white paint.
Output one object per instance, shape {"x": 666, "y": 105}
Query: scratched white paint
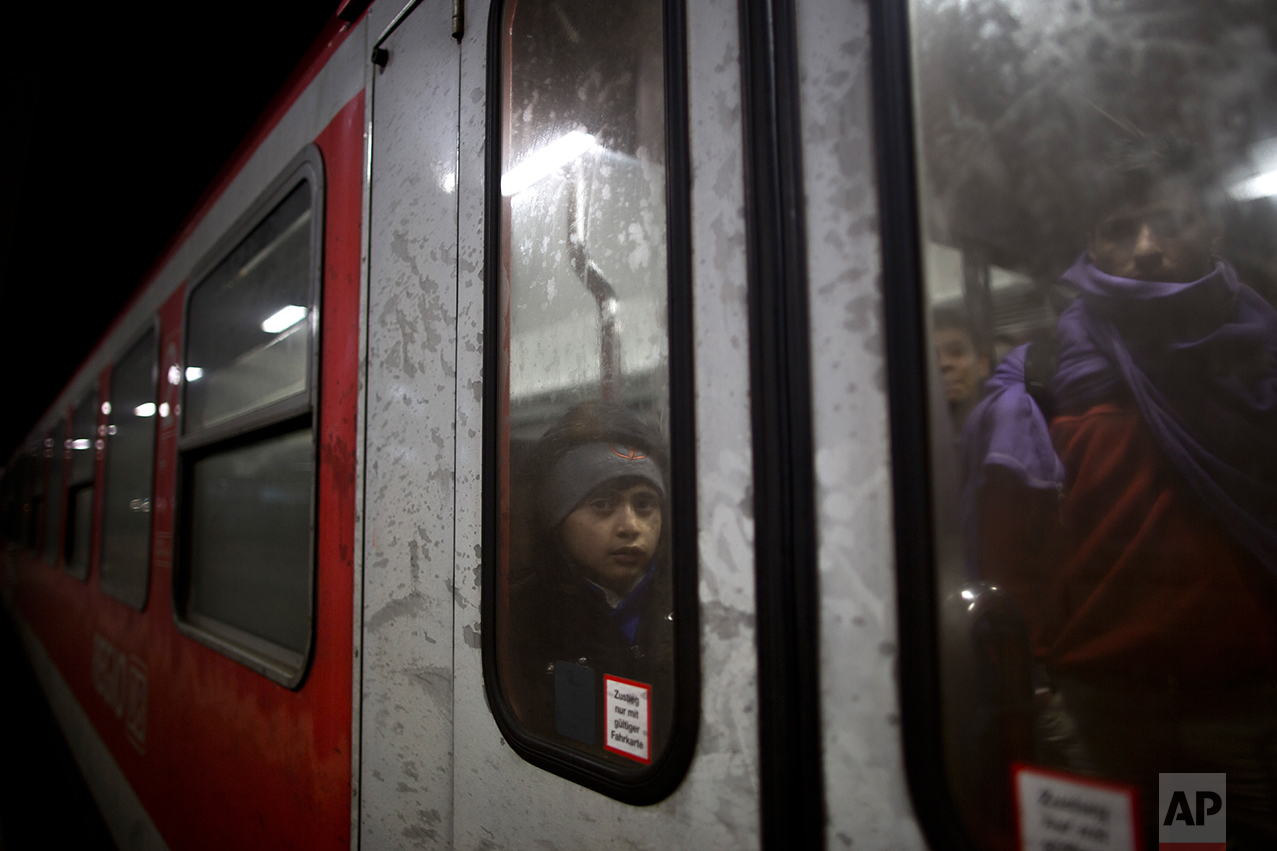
{"x": 406, "y": 744}
{"x": 501, "y": 800}
{"x": 866, "y": 799}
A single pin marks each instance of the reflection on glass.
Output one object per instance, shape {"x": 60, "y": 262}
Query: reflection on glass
{"x": 82, "y": 469}
{"x": 250, "y": 538}
{"x": 1098, "y": 210}
{"x": 84, "y": 430}
{"x": 249, "y": 345}
{"x": 130, "y": 457}
{"x": 584, "y": 623}
{"x": 54, "y": 452}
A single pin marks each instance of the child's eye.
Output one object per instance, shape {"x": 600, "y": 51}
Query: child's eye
{"x": 601, "y": 504}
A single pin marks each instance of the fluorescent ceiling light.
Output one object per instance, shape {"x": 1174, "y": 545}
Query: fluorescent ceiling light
{"x": 544, "y": 161}
{"x": 81, "y": 443}
{"x": 194, "y": 373}
{"x": 285, "y": 317}
{"x": 1259, "y": 186}
{"x": 146, "y": 409}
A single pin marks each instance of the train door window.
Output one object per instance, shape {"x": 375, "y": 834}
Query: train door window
{"x": 1097, "y": 198}
{"x": 130, "y": 464}
{"x": 586, "y": 506}
{"x": 245, "y": 584}
{"x": 55, "y": 452}
{"x": 82, "y": 446}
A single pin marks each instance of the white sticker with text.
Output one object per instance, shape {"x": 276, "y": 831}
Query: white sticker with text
{"x": 1060, "y": 811}
{"x": 627, "y": 715}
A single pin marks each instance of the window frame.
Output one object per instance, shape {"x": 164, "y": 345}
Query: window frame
{"x": 153, "y": 327}
{"x": 301, "y": 410}
{"x": 654, "y": 782}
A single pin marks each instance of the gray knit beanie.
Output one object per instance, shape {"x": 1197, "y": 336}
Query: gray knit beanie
{"x": 584, "y": 468}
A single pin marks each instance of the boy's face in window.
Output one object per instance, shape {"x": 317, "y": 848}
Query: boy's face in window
{"x": 613, "y": 533}
{"x": 1164, "y": 236}
{"x": 961, "y": 369}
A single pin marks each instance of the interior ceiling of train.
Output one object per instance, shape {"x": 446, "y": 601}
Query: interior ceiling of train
{"x": 1009, "y": 162}
{"x": 116, "y": 120}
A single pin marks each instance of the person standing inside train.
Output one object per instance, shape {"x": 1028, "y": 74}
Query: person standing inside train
{"x": 963, "y": 367}
{"x": 1120, "y": 482}
{"x": 597, "y": 598}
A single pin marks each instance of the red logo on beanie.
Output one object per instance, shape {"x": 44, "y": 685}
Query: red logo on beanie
{"x": 629, "y": 453}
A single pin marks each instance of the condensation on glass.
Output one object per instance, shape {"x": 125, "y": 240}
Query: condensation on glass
{"x": 1099, "y": 210}
{"x": 55, "y": 452}
{"x": 584, "y": 579}
{"x": 82, "y": 448}
{"x": 248, "y": 444}
{"x": 124, "y": 564}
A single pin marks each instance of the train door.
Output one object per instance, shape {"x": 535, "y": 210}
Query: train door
{"x": 533, "y": 265}
{"x": 407, "y": 689}
{"x": 831, "y": 92}
{"x": 1077, "y": 216}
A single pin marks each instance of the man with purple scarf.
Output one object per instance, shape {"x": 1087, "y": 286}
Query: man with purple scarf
{"x": 1120, "y": 482}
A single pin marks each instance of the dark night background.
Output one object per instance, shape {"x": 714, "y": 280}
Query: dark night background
{"x": 116, "y": 120}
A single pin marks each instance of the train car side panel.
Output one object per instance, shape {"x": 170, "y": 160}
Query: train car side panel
{"x": 867, "y": 802}
{"x": 502, "y": 801}
{"x": 221, "y": 716}
{"x": 342, "y": 144}
{"x": 406, "y": 748}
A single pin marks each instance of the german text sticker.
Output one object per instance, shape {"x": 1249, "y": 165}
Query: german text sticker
{"x": 1058, "y": 810}
{"x": 627, "y": 714}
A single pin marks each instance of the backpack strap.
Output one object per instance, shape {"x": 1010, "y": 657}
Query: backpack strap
{"x": 1041, "y": 362}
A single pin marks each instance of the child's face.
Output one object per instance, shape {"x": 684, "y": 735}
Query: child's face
{"x": 613, "y": 533}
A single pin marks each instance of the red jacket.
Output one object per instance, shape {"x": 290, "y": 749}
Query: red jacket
{"x": 1126, "y": 577}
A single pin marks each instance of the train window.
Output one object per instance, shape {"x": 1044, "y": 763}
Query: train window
{"x": 250, "y": 322}
{"x": 1098, "y": 203}
{"x": 247, "y": 445}
{"x": 82, "y": 447}
{"x": 33, "y": 486}
{"x": 583, "y": 506}
{"x": 124, "y": 565}
{"x": 55, "y": 452}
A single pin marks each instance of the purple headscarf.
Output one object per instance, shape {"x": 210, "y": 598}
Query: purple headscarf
{"x": 1200, "y": 361}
